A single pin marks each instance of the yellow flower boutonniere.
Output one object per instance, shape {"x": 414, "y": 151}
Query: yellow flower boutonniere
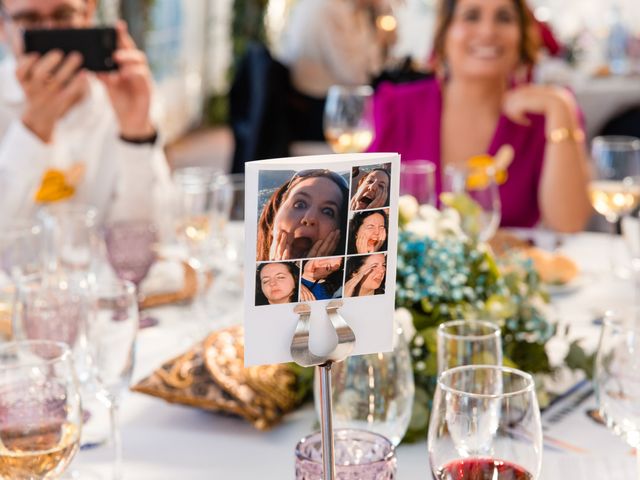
{"x": 481, "y": 167}
{"x": 58, "y": 184}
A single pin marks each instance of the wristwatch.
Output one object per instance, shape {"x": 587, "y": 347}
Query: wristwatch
{"x": 149, "y": 140}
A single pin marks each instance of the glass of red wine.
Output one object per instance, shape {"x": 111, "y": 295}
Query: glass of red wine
{"x": 131, "y": 253}
{"x": 485, "y": 425}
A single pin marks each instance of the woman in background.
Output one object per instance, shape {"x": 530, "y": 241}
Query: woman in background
{"x": 476, "y": 104}
{"x": 366, "y": 275}
{"x": 304, "y": 218}
{"x": 277, "y": 283}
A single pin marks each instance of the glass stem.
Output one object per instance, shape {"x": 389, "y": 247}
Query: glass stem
{"x": 612, "y": 245}
{"x": 116, "y": 438}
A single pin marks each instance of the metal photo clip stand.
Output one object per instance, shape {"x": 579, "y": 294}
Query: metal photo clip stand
{"x": 302, "y": 356}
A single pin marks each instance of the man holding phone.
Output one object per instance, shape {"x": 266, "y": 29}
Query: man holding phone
{"x": 68, "y": 132}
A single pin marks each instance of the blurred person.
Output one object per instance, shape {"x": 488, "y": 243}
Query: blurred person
{"x": 476, "y": 104}
{"x": 366, "y": 275}
{"x": 67, "y": 133}
{"x": 368, "y": 232}
{"x": 330, "y": 42}
{"x": 305, "y": 217}
{"x": 277, "y": 283}
{"x": 321, "y": 279}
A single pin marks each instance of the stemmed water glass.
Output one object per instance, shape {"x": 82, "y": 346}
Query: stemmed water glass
{"x": 112, "y": 333}
{"x": 485, "y": 423}
{"x": 418, "y": 179}
{"x": 617, "y": 375}
{"x": 468, "y": 342}
{"x": 348, "y": 118}
{"x": 40, "y": 413}
{"x": 131, "y": 252}
{"x": 474, "y": 194}
{"x": 615, "y": 190}
{"x": 203, "y": 198}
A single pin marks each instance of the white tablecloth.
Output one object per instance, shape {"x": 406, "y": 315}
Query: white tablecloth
{"x": 169, "y": 442}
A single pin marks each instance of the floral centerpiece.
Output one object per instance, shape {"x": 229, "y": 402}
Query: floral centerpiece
{"x": 444, "y": 275}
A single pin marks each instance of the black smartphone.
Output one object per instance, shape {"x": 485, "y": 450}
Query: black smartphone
{"x": 95, "y": 44}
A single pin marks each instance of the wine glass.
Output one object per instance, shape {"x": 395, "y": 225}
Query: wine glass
{"x": 131, "y": 252}
{"x": 617, "y": 375}
{"x": 418, "y": 179}
{"x": 111, "y": 334}
{"x": 468, "y": 342}
{"x": 40, "y": 413}
{"x": 22, "y": 249}
{"x": 485, "y": 423}
{"x": 373, "y": 392}
{"x": 348, "y": 118}
{"x": 474, "y": 194}
{"x": 73, "y": 242}
{"x": 203, "y": 205}
{"x": 615, "y": 190}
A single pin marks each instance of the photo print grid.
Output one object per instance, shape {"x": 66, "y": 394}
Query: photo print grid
{"x": 322, "y": 234}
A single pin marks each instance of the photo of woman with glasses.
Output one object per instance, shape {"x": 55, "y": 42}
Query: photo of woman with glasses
{"x": 372, "y": 187}
{"x": 366, "y": 275}
{"x": 305, "y": 217}
{"x": 277, "y": 283}
{"x": 368, "y": 231}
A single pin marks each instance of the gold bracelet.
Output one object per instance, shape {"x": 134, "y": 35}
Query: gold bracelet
{"x": 559, "y": 135}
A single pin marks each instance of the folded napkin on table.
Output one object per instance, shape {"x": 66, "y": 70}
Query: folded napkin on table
{"x": 168, "y": 281}
{"x": 211, "y": 375}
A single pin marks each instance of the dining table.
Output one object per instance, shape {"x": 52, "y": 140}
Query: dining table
{"x": 164, "y": 441}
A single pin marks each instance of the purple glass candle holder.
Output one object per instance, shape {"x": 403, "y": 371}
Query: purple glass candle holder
{"x": 359, "y": 455}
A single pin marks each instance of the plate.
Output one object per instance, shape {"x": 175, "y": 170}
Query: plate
{"x": 572, "y": 286}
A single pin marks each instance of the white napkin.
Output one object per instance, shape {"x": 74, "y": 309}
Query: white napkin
{"x": 165, "y": 276}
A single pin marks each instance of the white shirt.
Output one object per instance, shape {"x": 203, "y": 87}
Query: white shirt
{"x": 121, "y": 179}
{"x": 330, "y": 42}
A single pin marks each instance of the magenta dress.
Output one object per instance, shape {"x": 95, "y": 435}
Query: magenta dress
{"x": 407, "y": 121}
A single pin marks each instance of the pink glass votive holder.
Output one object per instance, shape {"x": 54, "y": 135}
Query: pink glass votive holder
{"x": 359, "y": 455}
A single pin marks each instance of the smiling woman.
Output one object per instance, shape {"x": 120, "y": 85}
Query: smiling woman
{"x": 304, "y": 218}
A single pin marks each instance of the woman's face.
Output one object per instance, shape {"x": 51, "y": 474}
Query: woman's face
{"x": 277, "y": 283}
{"x": 375, "y": 185}
{"x": 322, "y": 268}
{"x": 372, "y": 232}
{"x": 378, "y": 266}
{"x": 310, "y": 213}
{"x": 483, "y": 39}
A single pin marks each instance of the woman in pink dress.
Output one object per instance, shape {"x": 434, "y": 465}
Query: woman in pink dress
{"x": 475, "y": 105}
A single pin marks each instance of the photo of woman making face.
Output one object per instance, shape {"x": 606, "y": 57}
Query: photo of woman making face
{"x": 366, "y": 275}
{"x": 372, "y": 188}
{"x": 368, "y": 231}
{"x": 305, "y": 217}
{"x": 277, "y": 283}
{"x": 321, "y": 279}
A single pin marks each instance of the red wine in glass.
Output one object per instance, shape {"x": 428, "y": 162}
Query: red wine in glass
{"x": 130, "y": 250}
{"x": 481, "y": 469}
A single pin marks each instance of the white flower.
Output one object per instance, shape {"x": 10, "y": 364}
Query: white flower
{"x": 404, "y": 320}
{"x": 422, "y": 228}
{"x": 429, "y": 213}
{"x": 408, "y": 207}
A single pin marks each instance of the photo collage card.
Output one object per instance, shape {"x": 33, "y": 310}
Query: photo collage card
{"x": 322, "y": 232}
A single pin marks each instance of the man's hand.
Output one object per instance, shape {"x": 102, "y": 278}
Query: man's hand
{"x": 52, "y": 83}
{"x": 130, "y": 87}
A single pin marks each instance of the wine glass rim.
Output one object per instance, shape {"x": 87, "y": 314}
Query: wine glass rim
{"x": 114, "y": 284}
{"x": 364, "y": 90}
{"x": 16, "y": 228}
{"x": 64, "y": 355}
{"x": 343, "y": 431}
{"x": 86, "y": 209}
{"x": 529, "y": 387}
{"x": 476, "y": 336}
{"x": 418, "y": 166}
{"x": 618, "y": 142}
